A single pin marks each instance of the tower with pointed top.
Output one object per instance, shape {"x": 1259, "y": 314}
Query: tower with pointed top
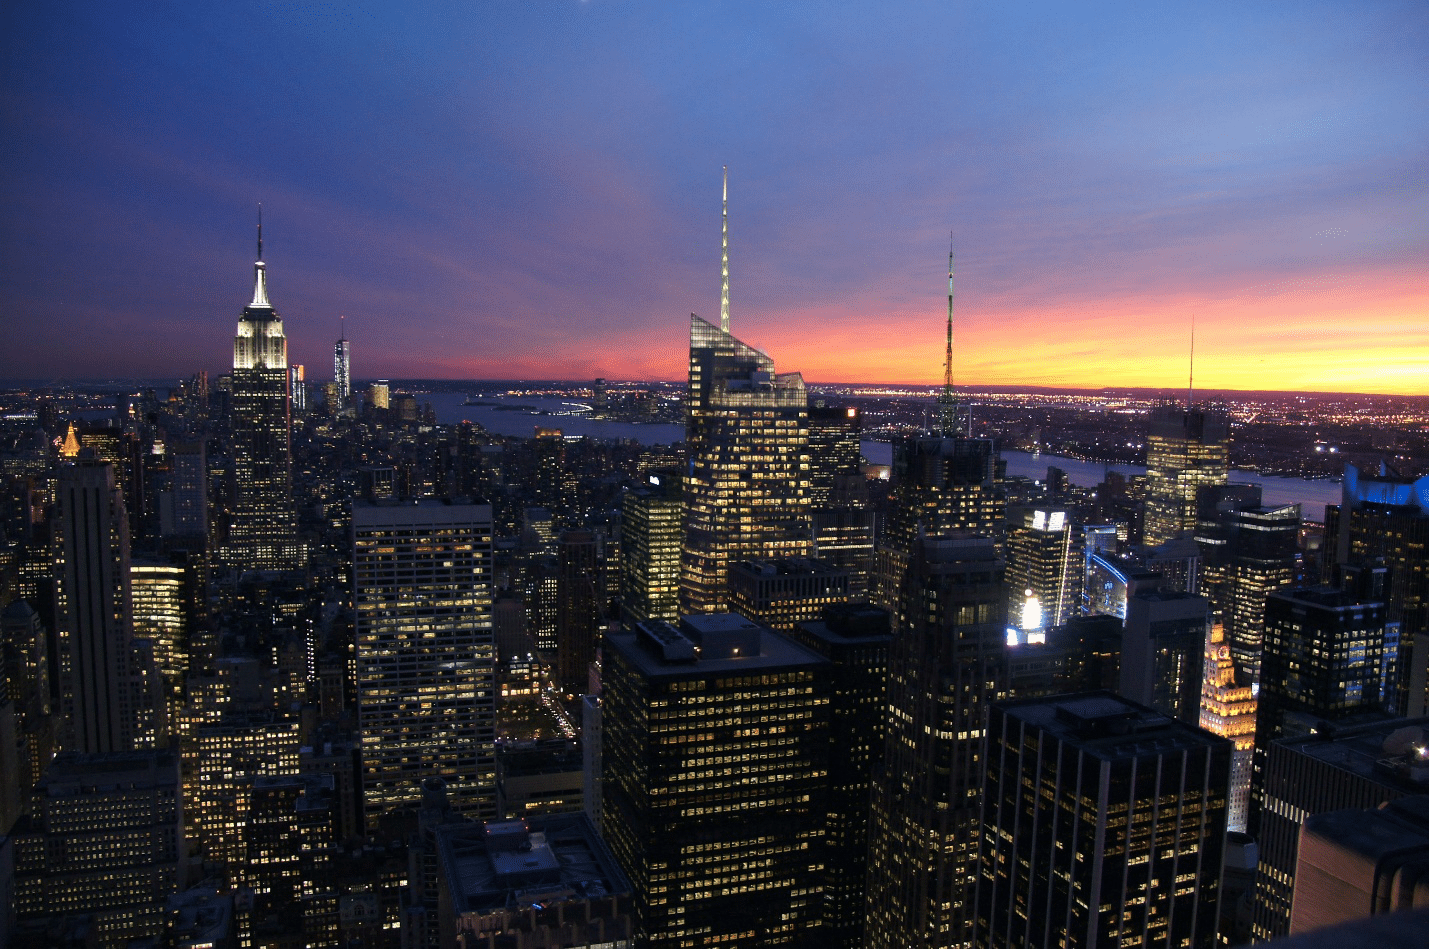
{"x": 747, "y": 490}
{"x": 948, "y": 399}
{"x": 263, "y": 531}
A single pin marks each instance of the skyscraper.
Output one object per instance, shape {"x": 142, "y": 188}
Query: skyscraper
{"x": 263, "y": 533}
{"x": 833, "y": 447}
{"x": 1359, "y": 765}
{"x": 342, "y": 368}
{"x": 1044, "y": 559}
{"x": 1163, "y": 653}
{"x": 783, "y": 593}
{"x": 1323, "y": 662}
{"x": 947, "y": 663}
{"x": 940, "y": 486}
{"x": 1228, "y": 710}
{"x": 1103, "y": 825}
{"x": 1186, "y": 449}
{"x": 1384, "y": 518}
{"x": 650, "y": 537}
{"x": 856, "y": 639}
{"x": 102, "y": 691}
{"x": 747, "y": 433}
{"x": 426, "y": 662}
{"x": 714, "y": 774}
{"x": 579, "y": 605}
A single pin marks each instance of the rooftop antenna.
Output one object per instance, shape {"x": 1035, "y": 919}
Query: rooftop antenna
{"x": 948, "y": 400}
{"x": 342, "y": 328}
{"x": 1191, "y": 373}
{"x": 260, "y": 282}
{"x": 260, "y": 230}
{"x": 724, "y": 261}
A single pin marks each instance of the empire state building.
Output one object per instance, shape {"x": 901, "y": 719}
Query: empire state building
{"x": 263, "y": 533}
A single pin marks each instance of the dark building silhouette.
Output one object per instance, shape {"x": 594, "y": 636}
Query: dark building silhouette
{"x": 1103, "y": 824}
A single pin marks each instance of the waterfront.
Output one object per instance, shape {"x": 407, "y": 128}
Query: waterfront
{"x": 522, "y": 416}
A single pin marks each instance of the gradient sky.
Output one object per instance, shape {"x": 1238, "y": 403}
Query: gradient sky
{"x": 531, "y": 189}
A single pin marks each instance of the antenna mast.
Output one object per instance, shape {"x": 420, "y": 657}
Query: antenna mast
{"x": 948, "y": 400}
{"x": 724, "y": 261}
{"x": 1191, "y": 373}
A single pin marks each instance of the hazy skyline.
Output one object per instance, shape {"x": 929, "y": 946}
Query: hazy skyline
{"x": 512, "y": 190}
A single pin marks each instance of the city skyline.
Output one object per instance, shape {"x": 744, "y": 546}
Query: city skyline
{"x": 532, "y": 193}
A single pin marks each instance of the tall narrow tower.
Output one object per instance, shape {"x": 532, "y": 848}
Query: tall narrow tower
{"x": 747, "y": 489}
{"x": 948, "y": 399}
{"x": 342, "y": 366}
{"x": 263, "y": 533}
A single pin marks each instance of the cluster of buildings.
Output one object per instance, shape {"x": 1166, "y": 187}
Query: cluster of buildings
{"x": 259, "y": 696}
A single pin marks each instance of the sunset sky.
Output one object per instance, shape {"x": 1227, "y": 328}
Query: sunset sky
{"x": 531, "y": 189}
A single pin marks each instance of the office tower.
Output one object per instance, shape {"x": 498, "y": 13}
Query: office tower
{"x": 834, "y": 447}
{"x": 1186, "y": 449}
{"x": 162, "y": 595}
{"x": 380, "y": 395}
{"x": 1163, "y": 653}
{"x": 104, "y": 840}
{"x": 1228, "y": 710}
{"x": 1360, "y": 862}
{"x": 500, "y": 882}
{"x": 845, "y": 531}
{"x": 292, "y": 842}
{"x": 946, "y": 665}
{"x": 298, "y": 388}
{"x": 714, "y": 775}
{"x": 579, "y": 601}
{"x": 221, "y": 758}
{"x": 263, "y": 533}
{"x": 650, "y": 536}
{"x": 1362, "y": 765}
{"x": 783, "y": 593}
{"x": 940, "y": 485}
{"x": 1044, "y": 560}
{"x": 1323, "y": 662}
{"x": 1250, "y": 550}
{"x": 342, "y": 368}
{"x": 103, "y": 692}
{"x": 1385, "y": 518}
{"x": 856, "y": 640}
{"x": 592, "y": 749}
{"x": 747, "y": 435}
{"x": 426, "y": 663}
{"x": 541, "y": 589}
{"x": 183, "y": 505}
{"x": 549, "y": 486}
{"x": 1103, "y": 824}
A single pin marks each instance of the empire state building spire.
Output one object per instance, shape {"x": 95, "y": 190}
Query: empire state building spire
{"x": 260, "y": 281}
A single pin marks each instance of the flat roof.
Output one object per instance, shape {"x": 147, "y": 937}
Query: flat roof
{"x": 775, "y": 651}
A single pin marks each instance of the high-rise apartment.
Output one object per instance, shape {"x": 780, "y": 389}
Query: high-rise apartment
{"x": 1103, "y": 824}
{"x": 1186, "y": 449}
{"x": 263, "y": 532}
{"x": 714, "y": 775}
{"x": 747, "y": 489}
{"x": 834, "y": 447}
{"x": 947, "y": 664}
{"x": 580, "y": 604}
{"x": 426, "y": 658}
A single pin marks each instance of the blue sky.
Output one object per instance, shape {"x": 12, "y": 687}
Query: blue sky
{"x": 532, "y": 189}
